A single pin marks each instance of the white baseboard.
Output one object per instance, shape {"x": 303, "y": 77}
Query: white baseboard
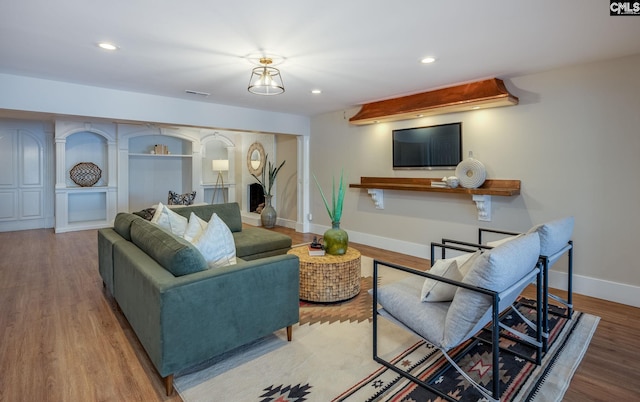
{"x": 592, "y": 287}
{"x": 598, "y": 288}
{"x": 251, "y": 218}
{"x": 287, "y": 223}
{"x": 399, "y": 246}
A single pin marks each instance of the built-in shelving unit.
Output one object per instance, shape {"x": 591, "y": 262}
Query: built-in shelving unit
{"x": 152, "y": 175}
{"x": 77, "y": 207}
{"x": 481, "y": 195}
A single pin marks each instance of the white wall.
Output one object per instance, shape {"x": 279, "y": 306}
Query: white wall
{"x": 287, "y": 180}
{"x": 573, "y": 141}
{"x": 62, "y": 98}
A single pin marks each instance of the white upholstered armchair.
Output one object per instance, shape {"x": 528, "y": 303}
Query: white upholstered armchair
{"x": 446, "y": 312}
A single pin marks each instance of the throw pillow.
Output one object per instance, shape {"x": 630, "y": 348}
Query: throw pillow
{"x": 554, "y": 235}
{"x": 496, "y": 243}
{"x": 216, "y": 243}
{"x": 466, "y": 261}
{"x": 195, "y": 227}
{"x": 496, "y": 270}
{"x": 181, "y": 199}
{"x": 166, "y": 218}
{"x": 436, "y": 291}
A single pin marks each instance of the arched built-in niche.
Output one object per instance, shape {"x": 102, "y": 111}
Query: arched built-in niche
{"x": 146, "y": 174}
{"x": 84, "y": 207}
{"x": 217, "y": 146}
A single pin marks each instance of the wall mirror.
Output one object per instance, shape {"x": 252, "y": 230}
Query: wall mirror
{"x": 256, "y": 158}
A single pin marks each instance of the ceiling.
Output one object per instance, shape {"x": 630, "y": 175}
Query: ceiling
{"x": 355, "y": 51}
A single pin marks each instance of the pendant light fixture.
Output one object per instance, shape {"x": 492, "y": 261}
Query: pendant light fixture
{"x": 266, "y": 80}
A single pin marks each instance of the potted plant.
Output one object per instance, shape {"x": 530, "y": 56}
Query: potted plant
{"x": 268, "y": 215}
{"x": 336, "y": 240}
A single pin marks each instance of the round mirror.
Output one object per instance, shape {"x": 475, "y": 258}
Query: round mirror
{"x": 255, "y": 158}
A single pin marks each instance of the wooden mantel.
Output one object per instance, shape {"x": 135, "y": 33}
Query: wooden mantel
{"x": 480, "y": 94}
{"x": 481, "y": 195}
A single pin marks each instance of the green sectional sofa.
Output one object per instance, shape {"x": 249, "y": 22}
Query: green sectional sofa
{"x": 184, "y": 313}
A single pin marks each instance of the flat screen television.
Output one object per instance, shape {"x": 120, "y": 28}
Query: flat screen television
{"x": 431, "y": 148}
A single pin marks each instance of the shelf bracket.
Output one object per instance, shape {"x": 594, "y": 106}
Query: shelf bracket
{"x": 483, "y": 203}
{"x": 377, "y": 196}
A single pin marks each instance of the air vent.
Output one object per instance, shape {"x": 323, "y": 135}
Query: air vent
{"x": 190, "y": 92}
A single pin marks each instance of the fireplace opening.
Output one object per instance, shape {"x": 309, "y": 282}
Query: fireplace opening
{"x": 256, "y": 198}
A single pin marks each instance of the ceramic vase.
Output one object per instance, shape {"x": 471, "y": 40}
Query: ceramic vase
{"x": 335, "y": 240}
{"x": 268, "y": 215}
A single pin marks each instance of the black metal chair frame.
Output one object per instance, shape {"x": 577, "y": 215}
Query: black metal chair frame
{"x": 545, "y": 263}
{"x": 493, "y": 328}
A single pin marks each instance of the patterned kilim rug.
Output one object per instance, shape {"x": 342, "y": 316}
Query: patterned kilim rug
{"x": 330, "y": 359}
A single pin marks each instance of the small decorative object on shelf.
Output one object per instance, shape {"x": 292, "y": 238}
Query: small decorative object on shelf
{"x": 471, "y": 172}
{"x": 336, "y": 240}
{"x": 85, "y": 174}
{"x": 160, "y": 149}
{"x": 451, "y": 181}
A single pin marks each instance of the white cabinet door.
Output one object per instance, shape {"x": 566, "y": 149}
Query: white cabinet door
{"x": 23, "y": 192}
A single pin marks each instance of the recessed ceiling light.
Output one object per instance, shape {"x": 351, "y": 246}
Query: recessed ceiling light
{"x": 427, "y": 60}
{"x": 316, "y": 91}
{"x": 107, "y": 46}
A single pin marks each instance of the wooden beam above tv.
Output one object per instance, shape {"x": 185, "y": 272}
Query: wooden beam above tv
{"x": 480, "y": 94}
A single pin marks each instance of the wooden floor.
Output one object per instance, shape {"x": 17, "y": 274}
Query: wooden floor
{"x": 61, "y": 338}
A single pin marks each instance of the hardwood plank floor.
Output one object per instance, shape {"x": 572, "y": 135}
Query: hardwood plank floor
{"x": 63, "y": 339}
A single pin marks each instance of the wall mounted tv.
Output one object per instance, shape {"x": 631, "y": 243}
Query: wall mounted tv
{"x": 431, "y": 148}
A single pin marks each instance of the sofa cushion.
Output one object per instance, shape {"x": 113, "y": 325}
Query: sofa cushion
{"x": 122, "y": 224}
{"x": 195, "y": 227}
{"x": 173, "y": 222}
{"x": 229, "y": 213}
{"x": 181, "y": 199}
{"x": 496, "y": 269}
{"x": 255, "y": 240}
{"x": 498, "y": 242}
{"x": 436, "y": 291}
{"x": 175, "y": 254}
{"x": 554, "y": 235}
{"x": 216, "y": 243}
{"x": 401, "y": 299}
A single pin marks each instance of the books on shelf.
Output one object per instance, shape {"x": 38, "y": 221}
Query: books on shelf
{"x": 315, "y": 251}
{"x": 438, "y": 184}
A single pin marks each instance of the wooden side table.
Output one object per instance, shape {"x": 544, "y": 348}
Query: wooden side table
{"x": 328, "y": 278}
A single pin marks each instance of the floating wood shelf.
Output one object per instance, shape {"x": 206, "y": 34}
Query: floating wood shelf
{"x": 480, "y": 94}
{"x": 489, "y": 187}
{"x": 481, "y": 195}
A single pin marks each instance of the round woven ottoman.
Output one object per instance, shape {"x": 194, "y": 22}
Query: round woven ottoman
{"x": 328, "y": 278}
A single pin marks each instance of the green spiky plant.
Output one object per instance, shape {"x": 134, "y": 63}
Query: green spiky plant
{"x": 273, "y": 172}
{"x": 335, "y": 210}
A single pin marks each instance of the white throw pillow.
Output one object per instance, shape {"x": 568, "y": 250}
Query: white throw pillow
{"x": 554, "y": 235}
{"x": 166, "y": 218}
{"x": 216, "y": 243}
{"x": 436, "y": 291}
{"x": 466, "y": 261}
{"x": 195, "y": 227}
{"x": 496, "y": 243}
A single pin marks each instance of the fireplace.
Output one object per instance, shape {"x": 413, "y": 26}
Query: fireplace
{"x": 256, "y": 196}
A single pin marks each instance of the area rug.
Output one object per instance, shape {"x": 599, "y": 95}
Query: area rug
{"x": 330, "y": 359}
